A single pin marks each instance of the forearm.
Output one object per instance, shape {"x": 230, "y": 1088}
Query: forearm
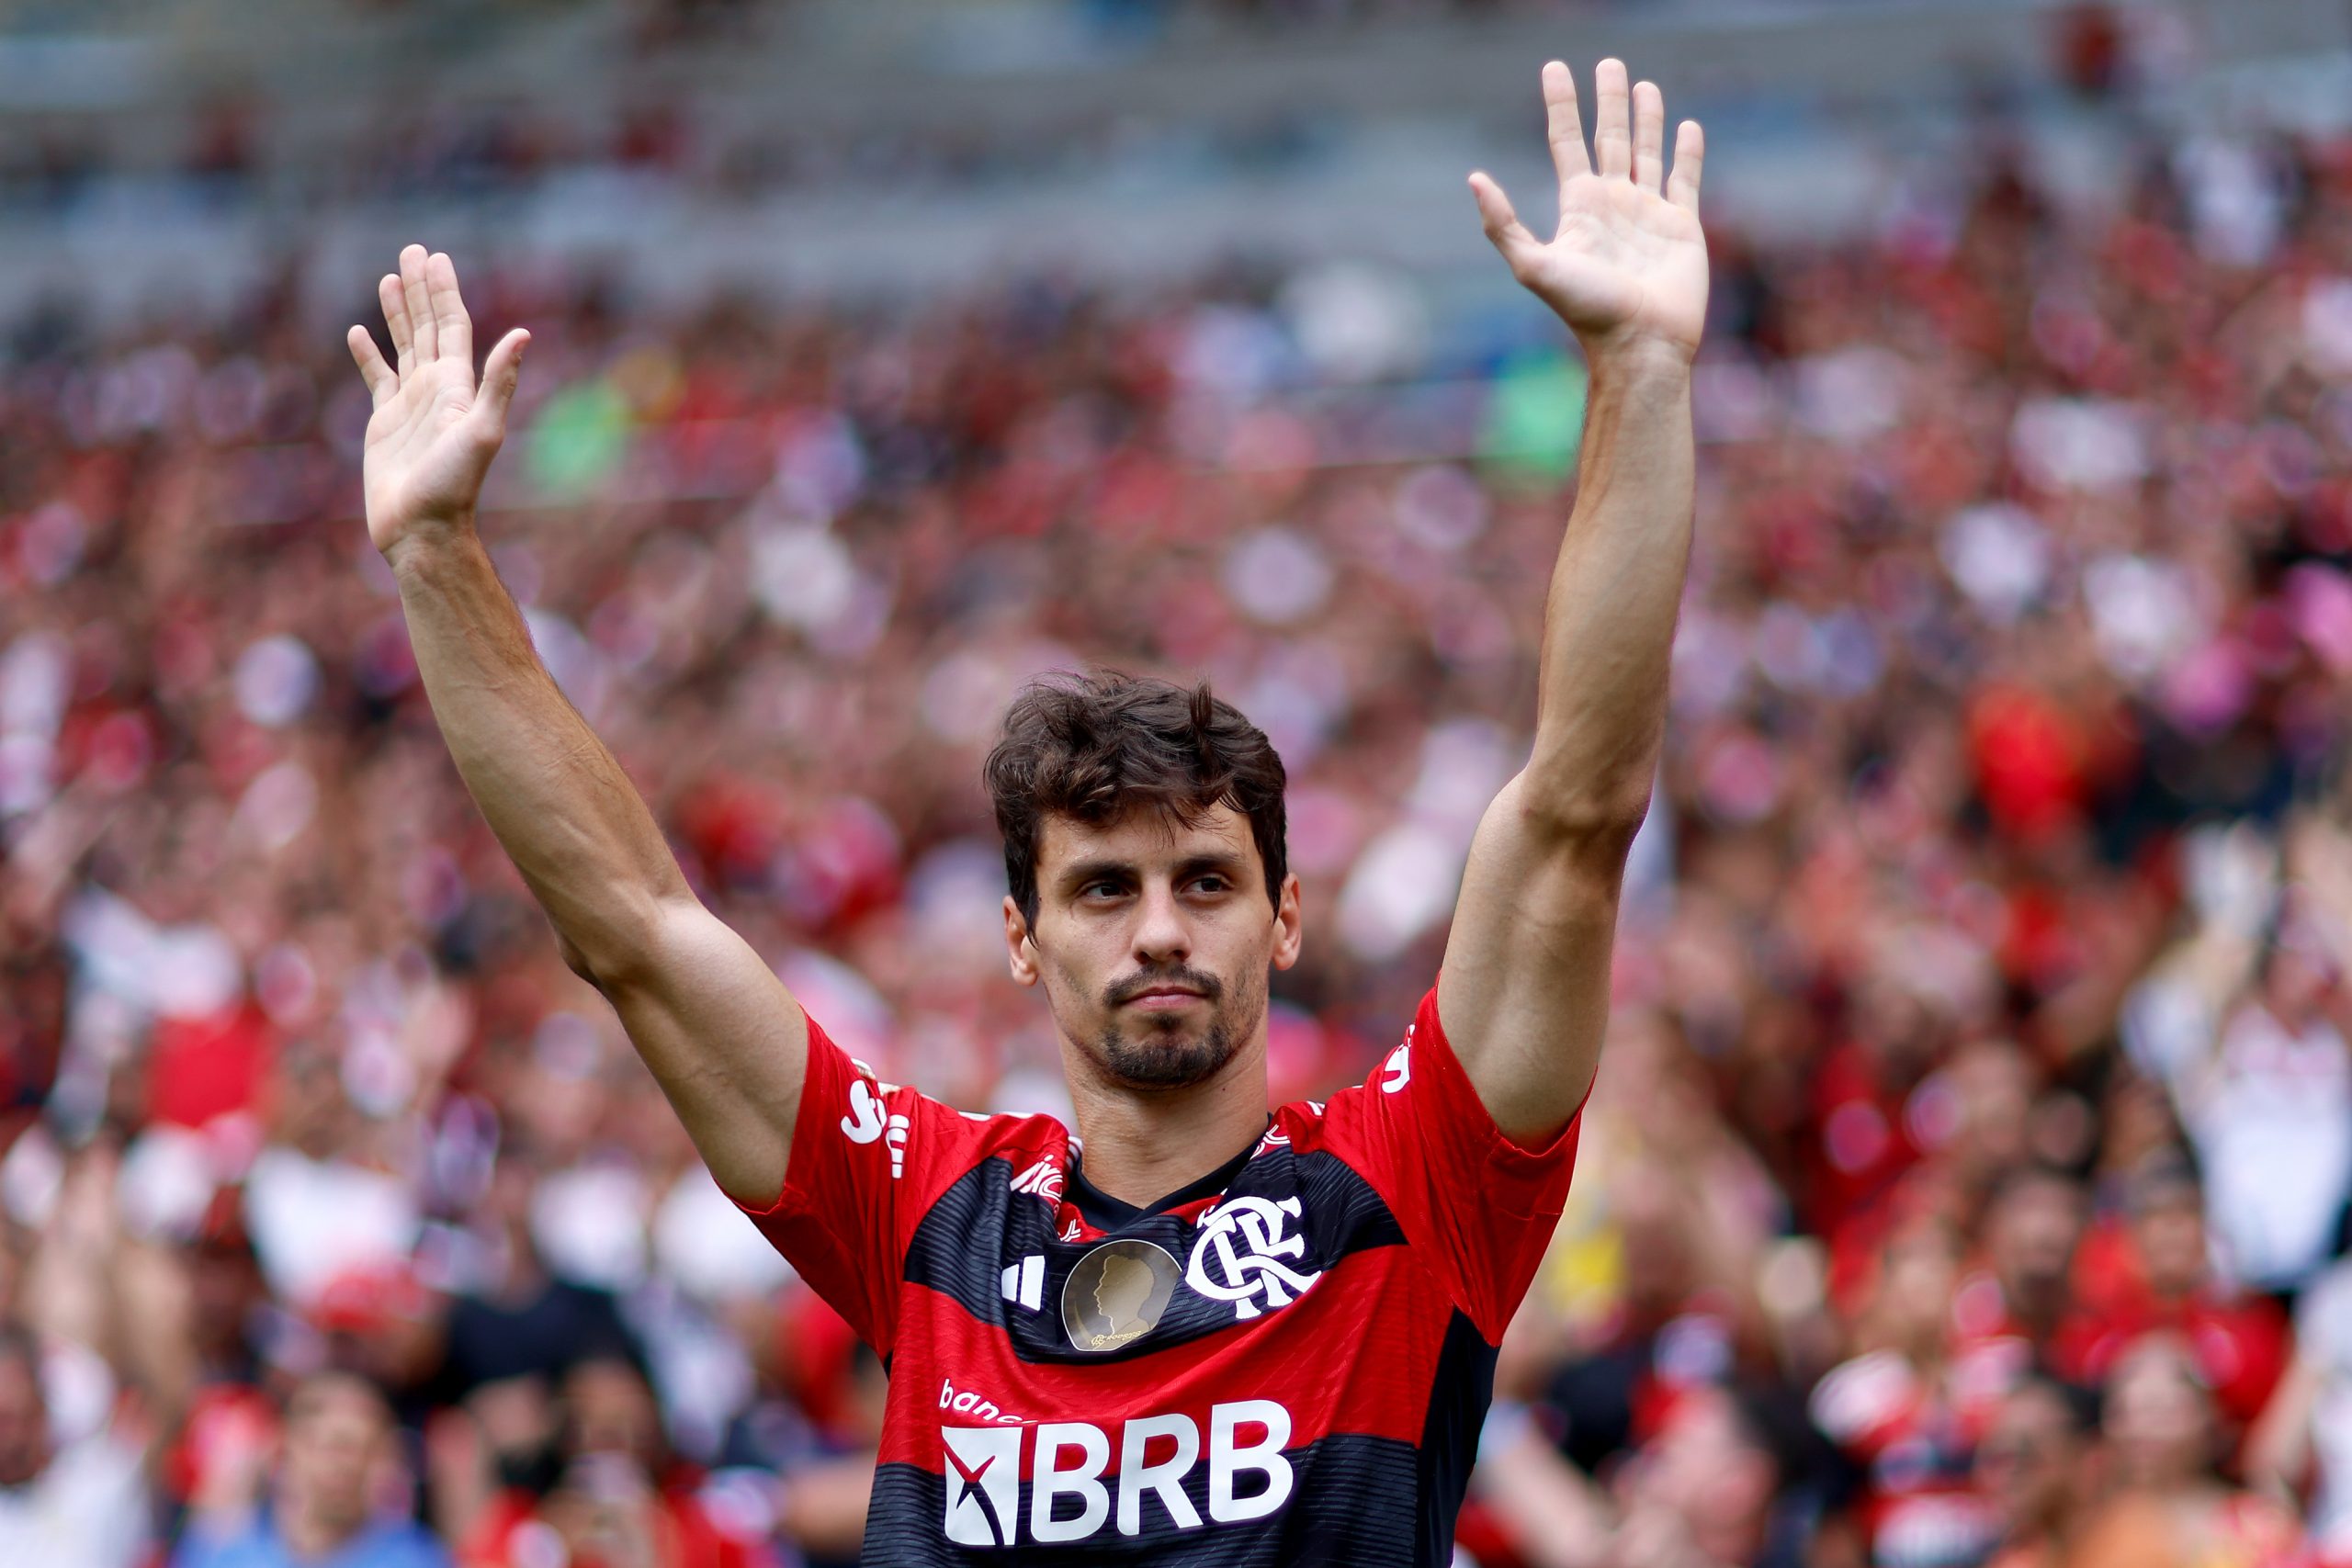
{"x": 1609, "y": 618}
{"x": 560, "y": 804}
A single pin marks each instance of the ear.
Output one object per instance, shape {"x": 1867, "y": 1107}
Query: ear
{"x": 1020, "y": 947}
{"x": 1287, "y": 930}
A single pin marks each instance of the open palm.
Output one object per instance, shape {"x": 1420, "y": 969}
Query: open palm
{"x": 1629, "y": 262}
{"x": 434, "y": 430}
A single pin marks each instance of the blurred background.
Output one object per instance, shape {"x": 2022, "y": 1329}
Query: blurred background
{"x": 1967, "y": 1177}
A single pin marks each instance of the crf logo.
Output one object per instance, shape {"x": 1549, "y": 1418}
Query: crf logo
{"x": 1070, "y": 1498}
{"x": 1238, "y": 1258}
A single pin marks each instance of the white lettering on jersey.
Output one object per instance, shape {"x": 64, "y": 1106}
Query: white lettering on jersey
{"x": 1221, "y": 1273}
{"x": 1138, "y": 1475}
{"x": 1043, "y": 1178}
{"x": 867, "y": 1119}
{"x": 983, "y": 1484}
{"x": 966, "y": 1403}
{"x": 1230, "y": 1460}
{"x": 1399, "y": 1065}
{"x": 865, "y": 1122}
{"x": 1024, "y": 1282}
{"x": 1049, "y": 1482}
{"x": 983, "y": 1474}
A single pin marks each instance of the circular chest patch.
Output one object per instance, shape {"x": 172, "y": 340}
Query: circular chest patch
{"x": 1117, "y": 1293}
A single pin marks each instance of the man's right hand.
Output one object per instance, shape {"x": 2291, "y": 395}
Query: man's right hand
{"x": 434, "y": 431}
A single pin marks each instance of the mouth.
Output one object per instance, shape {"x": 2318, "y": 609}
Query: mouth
{"x": 1163, "y": 999}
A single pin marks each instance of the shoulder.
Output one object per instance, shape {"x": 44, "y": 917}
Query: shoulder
{"x": 407, "y": 1545}
{"x": 252, "y": 1547}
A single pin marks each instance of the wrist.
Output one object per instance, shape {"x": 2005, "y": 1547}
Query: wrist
{"x": 421, "y": 542}
{"x": 1638, "y": 356}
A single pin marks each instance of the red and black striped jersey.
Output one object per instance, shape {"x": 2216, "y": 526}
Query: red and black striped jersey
{"x": 1288, "y": 1363}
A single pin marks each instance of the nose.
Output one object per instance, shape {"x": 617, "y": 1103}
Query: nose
{"x": 1162, "y": 935}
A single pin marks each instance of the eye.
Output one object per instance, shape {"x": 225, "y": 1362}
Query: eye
{"x": 1210, "y": 882}
{"x": 1103, "y": 888}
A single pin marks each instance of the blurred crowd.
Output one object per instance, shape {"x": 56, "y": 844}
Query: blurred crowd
{"x": 1966, "y": 1180}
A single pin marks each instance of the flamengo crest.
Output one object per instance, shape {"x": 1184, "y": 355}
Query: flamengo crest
{"x": 1238, "y": 1256}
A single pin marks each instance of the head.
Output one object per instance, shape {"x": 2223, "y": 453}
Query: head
{"x": 610, "y": 1408}
{"x": 1150, "y": 893}
{"x": 1712, "y": 1468}
{"x": 24, "y": 1412}
{"x": 2168, "y": 1226}
{"x": 2028, "y": 1460}
{"x": 2030, "y": 1229}
{"x": 2159, "y": 1415}
{"x": 338, "y": 1429}
{"x": 1126, "y": 1286}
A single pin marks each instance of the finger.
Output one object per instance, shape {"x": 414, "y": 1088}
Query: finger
{"x": 450, "y": 322}
{"x": 395, "y": 304}
{"x": 1649, "y": 135}
{"x": 501, "y": 374}
{"x": 419, "y": 305}
{"x": 1689, "y": 160}
{"x": 1612, "y": 139}
{"x": 1565, "y": 122}
{"x": 381, "y": 383}
{"x": 1501, "y": 223}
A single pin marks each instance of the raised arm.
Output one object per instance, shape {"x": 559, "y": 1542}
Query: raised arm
{"x": 1524, "y": 991}
{"x": 721, "y": 1034}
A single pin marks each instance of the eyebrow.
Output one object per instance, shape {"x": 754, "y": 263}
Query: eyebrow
{"x": 1226, "y": 865}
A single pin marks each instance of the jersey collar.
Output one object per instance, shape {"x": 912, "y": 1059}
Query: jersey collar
{"x": 1105, "y": 1212}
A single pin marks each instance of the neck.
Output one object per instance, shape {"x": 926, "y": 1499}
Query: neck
{"x": 1142, "y": 1145}
{"x": 310, "y": 1534}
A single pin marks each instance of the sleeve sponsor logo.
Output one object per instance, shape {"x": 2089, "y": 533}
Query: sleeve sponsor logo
{"x": 1398, "y": 1067}
{"x": 1072, "y": 1499}
{"x": 869, "y": 1122}
{"x": 1239, "y": 1251}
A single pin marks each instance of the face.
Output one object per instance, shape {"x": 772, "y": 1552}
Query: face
{"x": 1124, "y": 1289}
{"x": 2025, "y": 1465}
{"x": 1152, "y": 941}
{"x": 336, "y": 1430}
{"x": 2170, "y": 1230}
{"x": 2159, "y": 1421}
{"x": 2031, "y": 1236}
{"x": 612, "y": 1411}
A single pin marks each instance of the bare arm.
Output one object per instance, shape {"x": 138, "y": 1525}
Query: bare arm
{"x": 1524, "y": 991}
{"x": 721, "y": 1034}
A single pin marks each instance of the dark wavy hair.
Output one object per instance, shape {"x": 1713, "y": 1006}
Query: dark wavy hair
{"x": 1094, "y": 747}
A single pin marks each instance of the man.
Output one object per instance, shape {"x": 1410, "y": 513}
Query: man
{"x": 1331, "y": 1280}
{"x": 323, "y": 1509}
{"x": 84, "y": 1502}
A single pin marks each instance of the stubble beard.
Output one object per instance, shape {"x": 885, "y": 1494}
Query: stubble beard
{"x": 1167, "y": 1053}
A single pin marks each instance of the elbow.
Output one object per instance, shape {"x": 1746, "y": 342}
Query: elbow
{"x": 1579, "y": 814}
{"x": 616, "y": 948}
{"x": 575, "y": 958}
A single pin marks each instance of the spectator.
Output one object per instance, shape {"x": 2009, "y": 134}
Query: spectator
{"x": 327, "y": 1500}
{"x": 85, "y": 1503}
{"x": 2171, "y": 1507}
{"x": 2030, "y": 1467}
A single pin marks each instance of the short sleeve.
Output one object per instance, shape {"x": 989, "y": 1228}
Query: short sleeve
{"x": 1477, "y": 1207}
{"x": 868, "y": 1160}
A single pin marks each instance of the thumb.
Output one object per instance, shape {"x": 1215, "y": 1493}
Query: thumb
{"x": 501, "y": 374}
{"x": 1501, "y": 223}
